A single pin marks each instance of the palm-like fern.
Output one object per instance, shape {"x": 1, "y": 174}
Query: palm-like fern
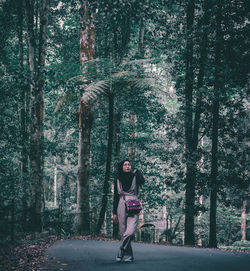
{"x": 100, "y": 75}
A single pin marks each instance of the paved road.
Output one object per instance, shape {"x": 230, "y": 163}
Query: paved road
{"x": 89, "y": 255}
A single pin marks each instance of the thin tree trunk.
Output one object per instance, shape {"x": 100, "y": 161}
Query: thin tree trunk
{"x": 87, "y": 39}
{"x": 141, "y": 38}
{"x": 125, "y": 36}
{"x": 243, "y": 220}
{"x": 108, "y": 163}
{"x": 199, "y": 241}
{"x": 199, "y": 237}
{"x": 117, "y": 150}
{"x": 133, "y": 134}
{"x": 173, "y": 234}
{"x": 117, "y": 133}
{"x": 55, "y": 183}
{"x": 133, "y": 116}
{"x": 13, "y": 221}
{"x": 215, "y": 120}
{"x": 190, "y": 163}
{"x": 213, "y": 177}
{"x": 183, "y": 232}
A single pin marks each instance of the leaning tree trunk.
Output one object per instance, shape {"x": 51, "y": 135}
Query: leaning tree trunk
{"x": 87, "y": 40}
{"x": 190, "y": 163}
{"x": 215, "y": 128}
{"x": 37, "y": 79}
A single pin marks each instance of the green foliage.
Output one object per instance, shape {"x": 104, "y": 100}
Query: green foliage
{"x": 147, "y": 82}
{"x": 238, "y": 245}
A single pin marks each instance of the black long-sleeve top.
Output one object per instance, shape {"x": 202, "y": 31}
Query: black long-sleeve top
{"x": 125, "y": 186}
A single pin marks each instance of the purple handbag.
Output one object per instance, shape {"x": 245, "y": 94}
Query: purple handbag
{"x": 133, "y": 206}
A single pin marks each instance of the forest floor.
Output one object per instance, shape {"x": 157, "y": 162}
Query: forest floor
{"x": 29, "y": 252}
{"x": 26, "y": 254}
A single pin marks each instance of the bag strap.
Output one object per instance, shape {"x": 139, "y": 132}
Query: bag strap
{"x": 120, "y": 183}
{"x": 122, "y": 192}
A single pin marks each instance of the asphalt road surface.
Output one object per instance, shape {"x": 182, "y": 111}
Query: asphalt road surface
{"x": 89, "y": 255}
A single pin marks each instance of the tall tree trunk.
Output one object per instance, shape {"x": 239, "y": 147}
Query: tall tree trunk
{"x": 215, "y": 120}
{"x": 87, "y": 39}
{"x": 198, "y": 106}
{"x": 108, "y": 163}
{"x": 23, "y": 117}
{"x": 243, "y": 130}
{"x": 190, "y": 162}
{"x": 37, "y": 79}
{"x": 202, "y": 65}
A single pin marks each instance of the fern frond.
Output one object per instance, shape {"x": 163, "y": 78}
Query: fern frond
{"x": 148, "y": 82}
{"x": 94, "y": 90}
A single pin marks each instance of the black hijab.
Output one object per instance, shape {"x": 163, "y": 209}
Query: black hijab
{"x": 126, "y": 178}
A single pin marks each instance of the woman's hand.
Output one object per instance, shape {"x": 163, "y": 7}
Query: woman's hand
{"x": 115, "y": 218}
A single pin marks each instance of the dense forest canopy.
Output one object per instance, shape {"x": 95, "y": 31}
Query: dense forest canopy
{"x": 85, "y": 84}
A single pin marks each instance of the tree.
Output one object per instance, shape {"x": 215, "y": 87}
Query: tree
{"x": 87, "y": 41}
{"x": 190, "y": 185}
{"x": 37, "y": 79}
{"x": 215, "y": 116}
{"x": 108, "y": 161}
{"x": 24, "y": 112}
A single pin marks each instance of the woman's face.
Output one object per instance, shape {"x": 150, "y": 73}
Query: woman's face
{"x": 126, "y": 166}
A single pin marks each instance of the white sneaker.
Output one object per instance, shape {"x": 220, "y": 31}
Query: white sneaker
{"x": 120, "y": 255}
{"x": 129, "y": 259}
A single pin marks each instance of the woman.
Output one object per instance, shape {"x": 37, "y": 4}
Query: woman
{"x": 125, "y": 188}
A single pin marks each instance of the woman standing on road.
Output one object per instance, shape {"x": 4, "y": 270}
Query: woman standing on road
{"x": 126, "y": 188}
